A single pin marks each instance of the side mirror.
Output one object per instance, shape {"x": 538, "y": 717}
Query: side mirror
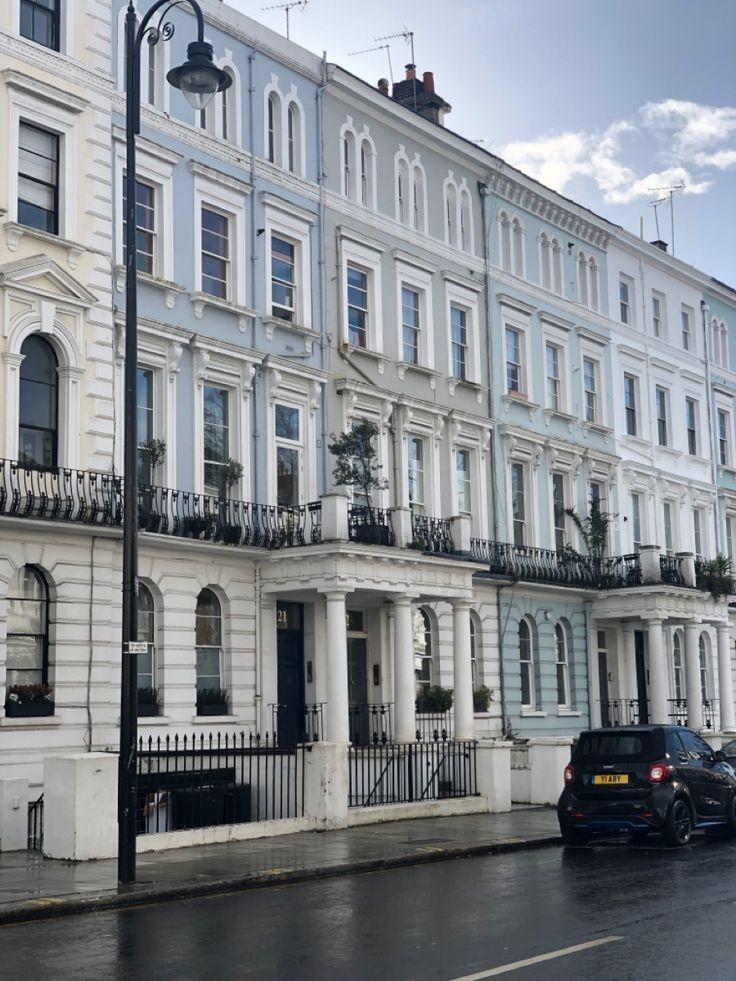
{"x": 720, "y": 757}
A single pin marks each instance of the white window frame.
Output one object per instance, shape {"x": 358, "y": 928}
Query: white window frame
{"x": 687, "y": 314}
{"x": 367, "y": 256}
{"x": 301, "y": 391}
{"x": 423, "y": 507}
{"x": 667, "y": 415}
{"x": 283, "y": 442}
{"x": 724, "y": 438}
{"x": 291, "y": 223}
{"x": 562, "y": 662}
{"x": 419, "y": 280}
{"x": 466, "y": 297}
{"x": 224, "y": 369}
{"x": 469, "y": 481}
{"x": 597, "y": 408}
{"x": 627, "y": 283}
{"x": 635, "y": 409}
{"x": 282, "y": 101}
{"x": 597, "y": 354}
{"x": 527, "y": 665}
{"x": 566, "y": 502}
{"x": 66, "y": 29}
{"x": 669, "y": 506}
{"x": 690, "y": 400}
{"x": 46, "y": 107}
{"x": 637, "y": 520}
{"x": 699, "y": 531}
{"x": 527, "y": 522}
{"x": 511, "y": 319}
{"x": 162, "y": 54}
{"x": 221, "y": 196}
{"x": 662, "y": 301}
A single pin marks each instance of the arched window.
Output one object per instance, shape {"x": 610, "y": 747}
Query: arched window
{"x": 348, "y": 156}
{"x": 39, "y": 403}
{"x": 582, "y": 280}
{"x": 417, "y": 198}
{"x": 505, "y": 241}
{"x": 273, "y": 128}
{"x": 545, "y": 258}
{"x": 466, "y": 222}
{"x": 293, "y": 137}
{"x": 518, "y": 234}
{"x": 556, "y": 266}
{"x": 704, "y": 666}
{"x": 146, "y": 633}
{"x": 208, "y": 629}
{"x": 227, "y": 103}
{"x": 526, "y": 664}
{"x": 563, "y": 666}
{"x": 593, "y": 283}
{"x": 403, "y": 192}
{"x": 451, "y": 214}
{"x": 678, "y": 670}
{"x": 27, "y": 659}
{"x": 423, "y": 673}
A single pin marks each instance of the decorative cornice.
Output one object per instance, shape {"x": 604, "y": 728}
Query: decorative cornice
{"x": 42, "y": 90}
{"x": 524, "y": 197}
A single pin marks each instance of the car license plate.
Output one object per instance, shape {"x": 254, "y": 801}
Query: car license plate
{"x": 609, "y": 778}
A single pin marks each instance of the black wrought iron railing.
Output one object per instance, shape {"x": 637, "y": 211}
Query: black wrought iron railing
{"x": 370, "y": 723}
{"x": 370, "y": 526}
{"x": 669, "y": 568}
{"x": 564, "y": 567}
{"x": 678, "y": 712}
{"x": 621, "y": 712}
{"x": 206, "y": 780}
{"x": 183, "y": 514}
{"x": 710, "y": 713}
{"x": 35, "y": 825}
{"x": 60, "y": 494}
{"x": 434, "y": 725}
{"x": 714, "y": 577}
{"x": 400, "y": 773}
{"x": 294, "y": 724}
{"x": 433, "y": 534}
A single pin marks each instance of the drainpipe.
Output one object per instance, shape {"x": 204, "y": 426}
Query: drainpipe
{"x": 322, "y": 285}
{"x": 485, "y": 194}
{"x": 254, "y": 488}
{"x": 704, "y": 311}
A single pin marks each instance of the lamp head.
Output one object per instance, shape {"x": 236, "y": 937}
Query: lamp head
{"x": 199, "y": 78}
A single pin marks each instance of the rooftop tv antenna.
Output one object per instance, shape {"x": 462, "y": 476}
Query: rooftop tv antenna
{"x": 655, "y": 205}
{"x": 287, "y": 7}
{"x": 408, "y": 36}
{"x": 668, "y": 196}
{"x": 379, "y": 47}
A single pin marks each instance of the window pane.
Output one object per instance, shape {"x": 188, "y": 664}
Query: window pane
{"x": 287, "y": 422}
{"x": 208, "y": 667}
{"x": 287, "y": 476}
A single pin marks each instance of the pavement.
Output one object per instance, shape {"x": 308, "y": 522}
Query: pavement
{"x": 33, "y": 887}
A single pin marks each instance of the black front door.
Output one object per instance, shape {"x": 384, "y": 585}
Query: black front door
{"x": 606, "y": 719}
{"x": 358, "y": 689}
{"x": 290, "y": 647}
{"x": 641, "y": 677}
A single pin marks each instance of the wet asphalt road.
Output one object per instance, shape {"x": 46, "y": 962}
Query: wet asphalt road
{"x": 674, "y": 910}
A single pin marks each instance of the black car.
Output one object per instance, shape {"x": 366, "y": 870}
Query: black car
{"x": 646, "y": 778}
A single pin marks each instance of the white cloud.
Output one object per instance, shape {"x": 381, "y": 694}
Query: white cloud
{"x": 676, "y": 133}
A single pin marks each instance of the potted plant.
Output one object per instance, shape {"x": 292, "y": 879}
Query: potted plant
{"x": 593, "y": 530}
{"x": 482, "y": 698}
{"x": 212, "y": 701}
{"x": 29, "y": 701}
{"x": 356, "y": 466}
{"x": 147, "y": 702}
{"x": 231, "y": 474}
{"x": 435, "y": 699}
{"x": 151, "y": 452}
{"x": 716, "y": 575}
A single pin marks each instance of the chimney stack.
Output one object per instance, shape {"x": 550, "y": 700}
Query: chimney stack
{"x": 659, "y": 244}
{"x": 419, "y": 95}
{"x": 428, "y": 81}
{"x": 411, "y": 72}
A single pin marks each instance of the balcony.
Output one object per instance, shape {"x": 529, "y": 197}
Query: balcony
{"x": 91, "y": 498}
{"x": 370, "y": 526}
{"x": 563, "y": 568}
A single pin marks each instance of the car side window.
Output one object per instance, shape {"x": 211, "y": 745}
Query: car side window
{"x": 680, "y": 748}
{"x": 696, "y": 747}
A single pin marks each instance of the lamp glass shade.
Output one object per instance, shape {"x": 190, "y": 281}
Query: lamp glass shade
{"x": 199, "y": 78}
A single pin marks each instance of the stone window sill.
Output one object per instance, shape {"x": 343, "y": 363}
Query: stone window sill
{"x": 564, "y": 713}
{"x": 26, "y": 723}
{"x": 202, "y": 300}
{"x": 530, "y": 713}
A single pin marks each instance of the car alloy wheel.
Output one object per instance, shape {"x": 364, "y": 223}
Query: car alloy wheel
{"x": 679, "y": 826}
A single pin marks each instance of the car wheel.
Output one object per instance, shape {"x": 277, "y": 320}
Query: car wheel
{"x": 571, "y": 836}
{"x": 731, "y": 817}
{"x": 678, "y": 827}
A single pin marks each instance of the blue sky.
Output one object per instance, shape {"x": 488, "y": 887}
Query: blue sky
{"x": 600, "y": 99}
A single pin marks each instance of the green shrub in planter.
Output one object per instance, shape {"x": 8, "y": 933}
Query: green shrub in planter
{"x": 212, "y": 701}
{"x": 23, "y": 701}
{"x": 482, "y": 697}
{"x": 435, "y": 699}
{"x": 147, "y": 701}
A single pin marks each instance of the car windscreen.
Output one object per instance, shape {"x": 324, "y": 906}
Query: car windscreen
{"x": 625, "y": 746}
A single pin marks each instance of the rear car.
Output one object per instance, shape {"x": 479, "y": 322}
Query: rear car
{"x": 642, "y": 779}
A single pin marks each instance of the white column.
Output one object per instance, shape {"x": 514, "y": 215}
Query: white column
{"x": 657, "y": 674}
{"x": 692, "y": 677}
{"x": 594, "y": 682}
{"x": 463, "y": 674}
{"x": 268, "y": 659}
{"x": 336, "y": 710}
{"x": 405, "y": 724}
{"x": 627, "y": 687}
{"x": 725, "y": 678}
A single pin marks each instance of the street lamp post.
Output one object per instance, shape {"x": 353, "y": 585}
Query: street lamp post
{"x": 198, "y": 79}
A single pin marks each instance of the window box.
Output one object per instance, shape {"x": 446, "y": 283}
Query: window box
{"x": 372, "y": 534}
{"x": 147, "y": 709}
{"x": 213, "y": 708}
{"x": 231, "y": 534}
{"x": 212, "y": 701}
{"x": 197, "y": 526}
{"x": 147, "y": 702}
{"x": 28, "y": 710}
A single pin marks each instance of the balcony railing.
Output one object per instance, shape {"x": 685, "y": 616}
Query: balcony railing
{"x": 370, "y": 526}
{"x": 182, "y": 514}
{"x": 433, "y": 534}
{"x": 370, "y": 723}
{"x": 62, "y": 494}
{"x": 621, "y": 712}
{"x": 93, "y": 498}
{"x": 679, "y": 715}
{"x": 669, "y": 567}
{"x": 563, "y": 567}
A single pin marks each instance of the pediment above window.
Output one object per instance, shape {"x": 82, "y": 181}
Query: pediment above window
{"x": 40, "y": 276}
